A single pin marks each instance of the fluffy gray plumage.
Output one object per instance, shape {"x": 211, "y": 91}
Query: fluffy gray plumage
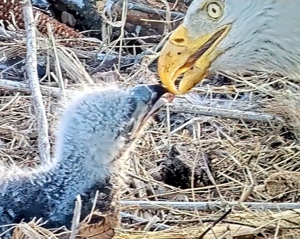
{"x": 96, "y": 129}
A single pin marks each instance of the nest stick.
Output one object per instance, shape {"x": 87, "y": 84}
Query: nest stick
{"x": 76, "y": 217}
{"x": 211, "y": 206}
{"x": 150, "y": 10}
{"x": 22, "y": 87}
{"x": 31, "y": 70}
{"x": 224, "y": 113}
{"x": 214, "y": 224}
{"x": 197, "y": 110}
{"x": 158, "y": 226}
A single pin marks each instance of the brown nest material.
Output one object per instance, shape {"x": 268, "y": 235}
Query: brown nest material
{"x": 284, "y": 184}
{"x": 11, "y": 12}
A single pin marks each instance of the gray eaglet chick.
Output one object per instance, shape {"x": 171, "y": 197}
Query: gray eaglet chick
{"x": 96, "y": 129}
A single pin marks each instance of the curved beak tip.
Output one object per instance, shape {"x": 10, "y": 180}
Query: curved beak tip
{"x": 192, "y": 58}
{"x": 166, "y": 70}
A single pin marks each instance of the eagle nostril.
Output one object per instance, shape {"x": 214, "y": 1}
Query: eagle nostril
{"x": 179, "y": 40}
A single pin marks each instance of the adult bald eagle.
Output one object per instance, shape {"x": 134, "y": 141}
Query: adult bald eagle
{"x": 232, "y": 35}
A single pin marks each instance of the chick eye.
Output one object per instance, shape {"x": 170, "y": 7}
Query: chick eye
{"x": 214, "y": 10}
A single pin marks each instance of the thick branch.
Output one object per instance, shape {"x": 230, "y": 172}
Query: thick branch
{"x": 224, "y": 113}
{"x": 211, "y": 206}
{"x": 22, "y": 87}
{"x": 31, "y": 63}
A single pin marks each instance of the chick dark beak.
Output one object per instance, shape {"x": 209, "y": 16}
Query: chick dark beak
{"x": 160, "y": 97}
{"x": 154, "y": 96}
{"x": 157, "y": 91}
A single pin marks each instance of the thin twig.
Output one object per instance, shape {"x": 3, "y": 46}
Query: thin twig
{"x": 214, "y": 224}
{"x": 151, "y": 222}
{"x": 167, "y": 25}
{"x": 210, "y": 176}
{"x": 142, "y": 220}
{"x": 151, "y": 10}
{"x": 31, "y": 69}
{"x": 8, "y": 35}
{"x": 93, "y": 207}
{"x": 76, "y": 217}
{"x": 57, "y": 63}
{"x": 122, "y": 30}
{"x": 249, "y": 189}
{"x": 211, "y": 206}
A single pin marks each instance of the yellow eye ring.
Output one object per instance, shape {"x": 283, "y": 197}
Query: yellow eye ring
{"x": 214, "y": 10}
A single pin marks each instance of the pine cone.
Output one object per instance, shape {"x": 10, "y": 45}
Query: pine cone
{"x": 12, "y": 11}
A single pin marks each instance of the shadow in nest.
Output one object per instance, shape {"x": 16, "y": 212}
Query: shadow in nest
{"x": 175, "y": 172}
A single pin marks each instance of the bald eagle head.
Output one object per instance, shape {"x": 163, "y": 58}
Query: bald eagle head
{"x": 230, "y": 35}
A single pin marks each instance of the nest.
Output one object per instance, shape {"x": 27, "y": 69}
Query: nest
{"x": 232, "y": 138}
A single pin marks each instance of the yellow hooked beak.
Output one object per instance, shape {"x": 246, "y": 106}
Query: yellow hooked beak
{"x": 191, "y": 57}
